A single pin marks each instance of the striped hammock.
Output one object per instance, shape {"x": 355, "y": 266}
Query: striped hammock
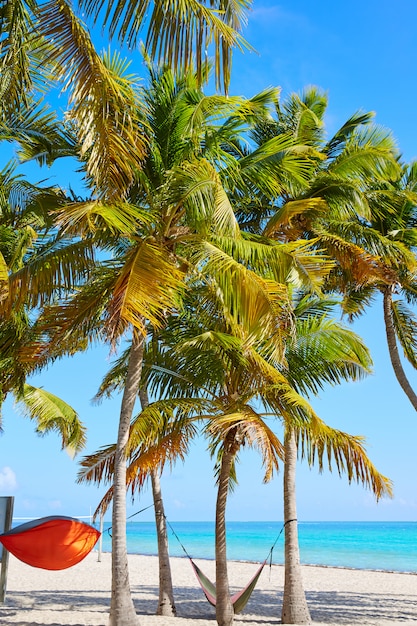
{"x": 239, "y": 599}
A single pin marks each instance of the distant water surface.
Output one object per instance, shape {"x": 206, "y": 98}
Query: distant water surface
{"x": 390, "y": 546}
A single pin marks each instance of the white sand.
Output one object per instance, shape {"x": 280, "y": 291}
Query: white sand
{"x": 80, "y": 596}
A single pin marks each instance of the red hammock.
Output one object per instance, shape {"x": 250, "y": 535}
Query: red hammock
{"x": 51, "y": 542}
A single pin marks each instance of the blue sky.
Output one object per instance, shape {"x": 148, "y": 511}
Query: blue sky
{"x": 364, "y": 56}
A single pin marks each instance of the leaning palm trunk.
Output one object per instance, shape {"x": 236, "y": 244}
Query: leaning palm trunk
{"x": 294, "y": 608}
{"x": 166, "y": 604}
{"x": 393, "y": 349}
{"x": 224, "y": 607}
{"x": 122, "y": 610}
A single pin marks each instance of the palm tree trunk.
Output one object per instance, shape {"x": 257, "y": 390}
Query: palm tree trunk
{"x": 393, "y": 350}
{"x": 294, "y": 607}
{"x": 166, "y": 604}
{"x": 122, "y": 610}
{"x": 224, "y": 607}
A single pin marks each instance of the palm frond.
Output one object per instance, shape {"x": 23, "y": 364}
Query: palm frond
{"x": 253, "y": 431}
{"x": 53, "y": 414}
{"x": 40, "y": 135}
{"x": 55, "y": 272}
{"x": 358, "y": 266}
{"x": 369, "y": 153}
{"x": 247, "y": 297}
{"x": 277, "y": 166}
{"x": 91, "y": 217}
{"x": 178, "y": 32}
{"x": 207, "y": 203}
{"x": 97, "y": 467}
{"x": 308, "y": 208}
{"x": 103, "y": 103}
{"x": 147, "y": 287}
{"x": 297, "y": 263}
{"x": 318, "y": 442}
{"x": 356, "y": 301}
{"x": 337, "y": 143}
{"x": 324, "y": 352}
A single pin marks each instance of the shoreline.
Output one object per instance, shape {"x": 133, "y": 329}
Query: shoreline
{"x": 342, "y": 567}
{"x": 80, "y": 596}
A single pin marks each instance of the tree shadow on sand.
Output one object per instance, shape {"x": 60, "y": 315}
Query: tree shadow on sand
{"x": 351, "y": 608}
{"x": 263, "y": 608}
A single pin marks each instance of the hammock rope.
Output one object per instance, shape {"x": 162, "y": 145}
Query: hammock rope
{"x": 133, "y": 515}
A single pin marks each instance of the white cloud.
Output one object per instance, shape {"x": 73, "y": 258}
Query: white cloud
{"x": 8, "y": 479}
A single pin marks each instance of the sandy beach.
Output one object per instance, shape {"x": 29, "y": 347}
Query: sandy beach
{"x": 80, "y": 595}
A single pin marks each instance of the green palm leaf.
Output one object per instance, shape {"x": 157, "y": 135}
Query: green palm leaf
{"x": 53, "y": 414}
{"x": 324, "y": 352}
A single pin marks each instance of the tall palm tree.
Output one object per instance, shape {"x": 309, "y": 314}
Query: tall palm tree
{"x": 321, "y": 352}
{"x": 154, "y": 440}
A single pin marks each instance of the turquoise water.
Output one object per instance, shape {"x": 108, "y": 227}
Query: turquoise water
{"x": 390, "y": 546}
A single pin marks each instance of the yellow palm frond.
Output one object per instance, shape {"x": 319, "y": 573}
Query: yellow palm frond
{"x": 358, "y": 266}
{"x": 104, "y": 105}
{"x": 4, "y": 278}
{"x": 247, "y": 296}
{"x": 310, "y": 266}
{"x": 253, "y": 430}
{"x": 318, "y": 441}
{"x": 305, "y": 210}
{"x": 85, "y": 218}
{"x": 53, "y": 414}
{"x": 147, "y": 287}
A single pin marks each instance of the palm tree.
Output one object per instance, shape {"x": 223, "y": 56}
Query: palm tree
{"x": 363, "y": 215}
{"x": 151, "y": 444}
{"x": 390, "y": 232}
{"x": 161, "y": 433}
{"x": 321, "y": 352}
{"x": 241, "y": 379}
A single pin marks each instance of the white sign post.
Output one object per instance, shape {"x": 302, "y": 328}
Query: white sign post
{"x": 6, "y": 516}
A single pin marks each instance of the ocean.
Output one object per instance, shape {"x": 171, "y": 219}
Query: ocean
{"x": 389, "y": 546}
